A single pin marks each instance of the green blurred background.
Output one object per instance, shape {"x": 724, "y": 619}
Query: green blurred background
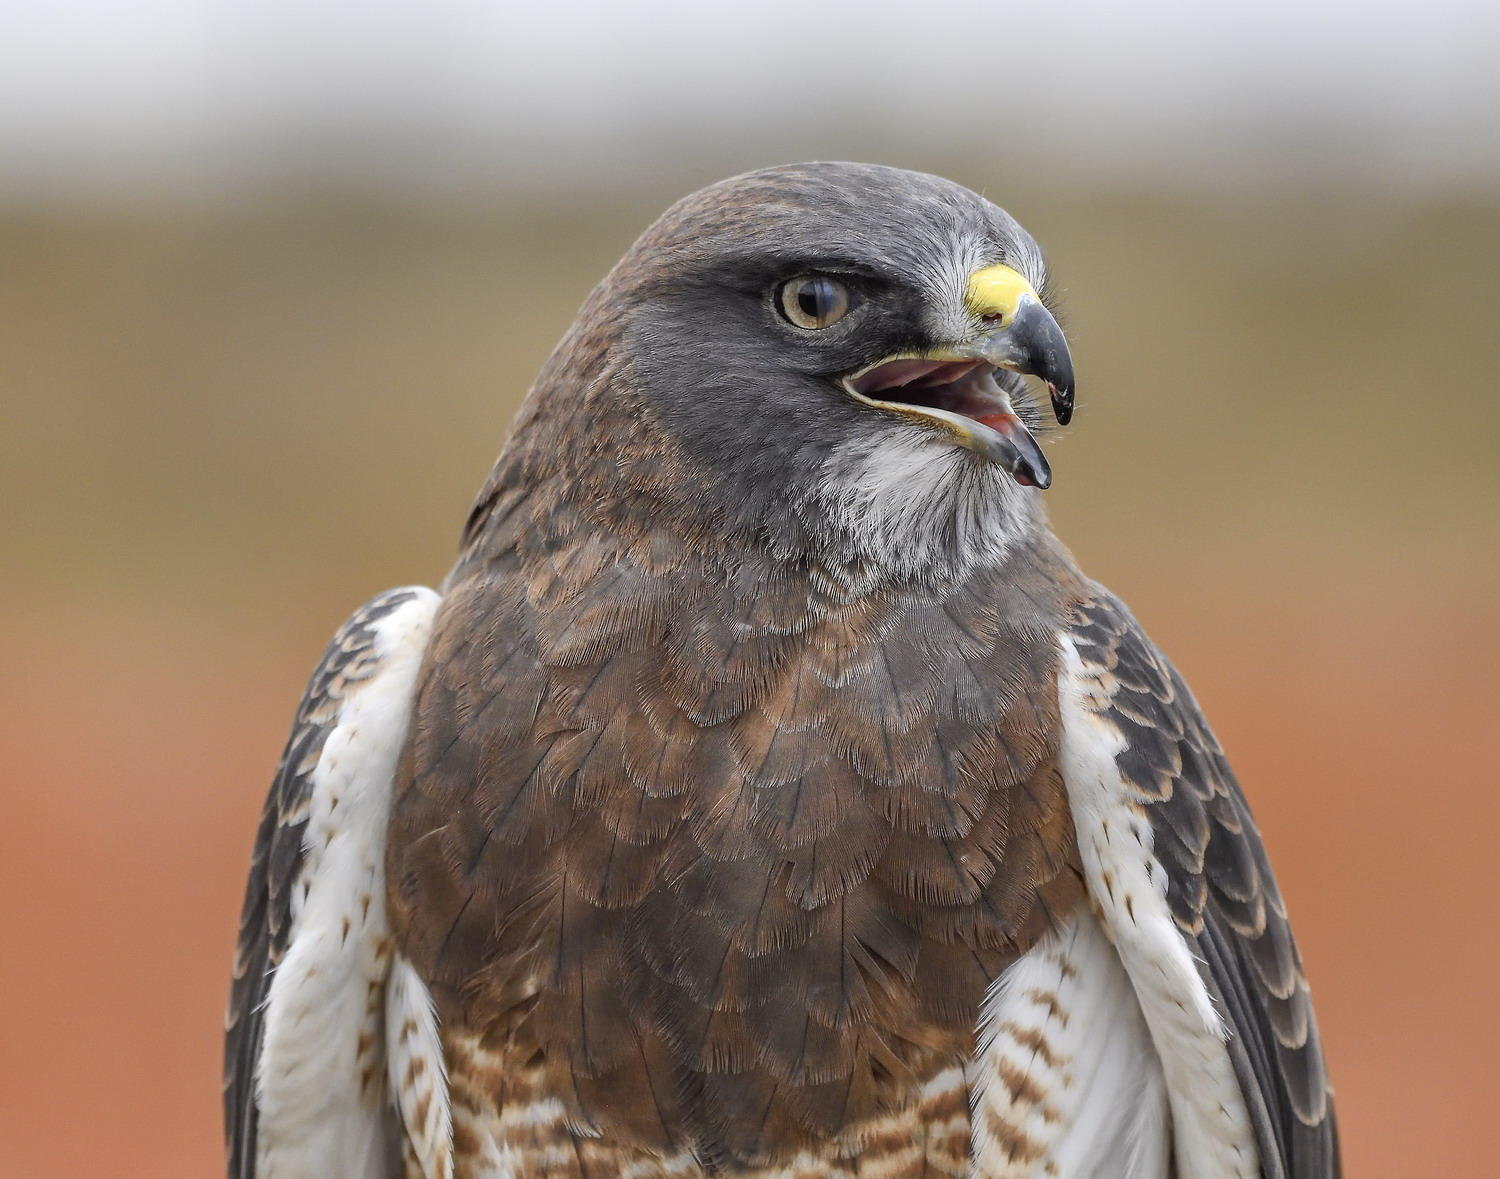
{"x": 274, "y": 277}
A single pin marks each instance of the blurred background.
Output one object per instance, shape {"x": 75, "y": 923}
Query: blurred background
{"x": 274, "y": 277}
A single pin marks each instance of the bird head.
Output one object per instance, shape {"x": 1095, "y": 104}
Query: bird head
{"x": 845, "y": 340}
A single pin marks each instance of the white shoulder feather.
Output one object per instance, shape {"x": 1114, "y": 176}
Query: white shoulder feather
{"x": 1211, "y": 1129}
{"x": 320, "y": 1079}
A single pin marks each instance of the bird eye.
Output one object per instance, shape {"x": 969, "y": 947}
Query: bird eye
{"x": 814, "y": 301}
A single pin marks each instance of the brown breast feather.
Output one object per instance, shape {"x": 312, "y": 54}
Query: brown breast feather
{"x": 712, "y": 857}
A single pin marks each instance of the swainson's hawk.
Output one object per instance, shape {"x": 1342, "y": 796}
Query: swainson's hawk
{"x": 765, "y": 792}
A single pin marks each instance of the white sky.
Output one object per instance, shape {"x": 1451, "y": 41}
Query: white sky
{"x": 185, "y": 92}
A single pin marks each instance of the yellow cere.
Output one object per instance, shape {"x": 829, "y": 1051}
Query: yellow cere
{"x": 997, "y": 290}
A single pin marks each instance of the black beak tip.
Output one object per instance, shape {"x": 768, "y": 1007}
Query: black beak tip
{"x": 1062, "y": 403}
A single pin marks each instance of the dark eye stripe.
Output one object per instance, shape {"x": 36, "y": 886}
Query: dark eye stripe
{"x": 814, "y": 301}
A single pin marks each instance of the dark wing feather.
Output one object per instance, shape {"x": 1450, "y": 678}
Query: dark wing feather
{"x": 276, "y": 865}
{"x": 1221, "y": 890}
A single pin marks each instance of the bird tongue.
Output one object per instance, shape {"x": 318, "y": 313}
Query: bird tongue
{"x": 978, "y": 396}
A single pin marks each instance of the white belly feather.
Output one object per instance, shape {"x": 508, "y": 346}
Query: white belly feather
{"x": 1067, "y": 1082}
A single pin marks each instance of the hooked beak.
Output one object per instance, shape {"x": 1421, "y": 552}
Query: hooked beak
{"x": 955, "y": 388}
{"x": 1028, "y": 339}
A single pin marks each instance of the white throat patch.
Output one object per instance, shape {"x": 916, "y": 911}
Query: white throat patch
{"x": 907, "y": 502}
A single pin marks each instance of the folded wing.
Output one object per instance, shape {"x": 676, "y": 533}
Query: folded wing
{"x": 1219, "y": 890}
{"x": 305, "y": 1085}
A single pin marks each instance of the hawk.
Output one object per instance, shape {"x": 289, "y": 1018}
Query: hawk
{"x": 765, "y": 792}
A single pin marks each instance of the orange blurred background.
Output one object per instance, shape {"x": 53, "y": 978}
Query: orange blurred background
{"x": 233, "y": 415}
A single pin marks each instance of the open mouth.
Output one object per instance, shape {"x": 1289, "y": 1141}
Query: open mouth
{"x": 962, "y": 397}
